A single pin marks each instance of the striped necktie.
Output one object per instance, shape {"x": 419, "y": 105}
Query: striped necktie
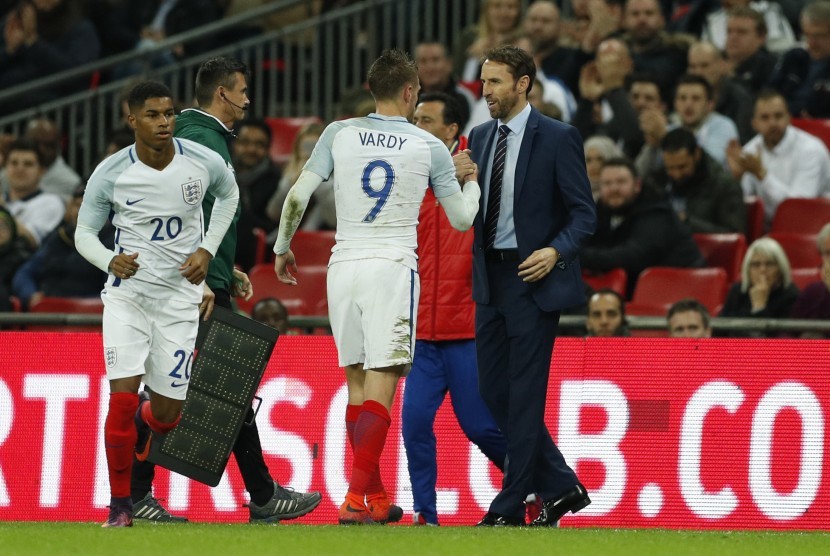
{"x": 494, "y": 195}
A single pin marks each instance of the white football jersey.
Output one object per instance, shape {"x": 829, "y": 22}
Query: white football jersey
{"x": 157, "y": 214}
{"x": 382, "y": 166}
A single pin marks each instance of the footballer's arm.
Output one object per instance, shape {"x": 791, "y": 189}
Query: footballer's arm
{"x": 292, "y": 214}
{"x": 461, "y": 207}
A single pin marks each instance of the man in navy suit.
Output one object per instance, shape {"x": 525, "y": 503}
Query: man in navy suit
{"x": 536, "y": 209}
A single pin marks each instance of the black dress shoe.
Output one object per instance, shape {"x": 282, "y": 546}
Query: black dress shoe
{"x": 495, "y": 520}
{"x": 553, "y": 510}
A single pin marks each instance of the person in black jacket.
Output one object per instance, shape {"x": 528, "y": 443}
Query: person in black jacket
{"x": 705, "y": 196}
{"x": 766, "y": 289}
{"x": 57, "y": 269}
{"x": 257, "y": 177}
{"x": 636, "y": 227}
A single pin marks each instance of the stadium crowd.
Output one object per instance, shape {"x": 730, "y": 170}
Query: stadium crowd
{"x": 693, "y": 115}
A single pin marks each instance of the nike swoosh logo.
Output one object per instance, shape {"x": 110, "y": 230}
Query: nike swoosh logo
{"x": 174, "y": 385}
{"x": 142, "y": 455}
{"x": 129, "y": 202}
{"x": 350, "y": 509}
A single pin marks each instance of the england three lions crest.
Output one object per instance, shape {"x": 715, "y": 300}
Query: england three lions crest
{"x": 192, "y": 192}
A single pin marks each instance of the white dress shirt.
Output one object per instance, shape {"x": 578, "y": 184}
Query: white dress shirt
{"x": 798, "y": 166}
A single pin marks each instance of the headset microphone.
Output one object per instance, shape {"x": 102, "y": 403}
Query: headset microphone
{"x": 229, "y": 101}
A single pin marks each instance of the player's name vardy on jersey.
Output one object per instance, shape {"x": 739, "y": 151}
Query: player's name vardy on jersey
{"x": 370, "y": 139}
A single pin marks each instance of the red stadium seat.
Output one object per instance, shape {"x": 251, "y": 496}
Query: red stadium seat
{"x": 472, "y": 86}
{"x": 72, "y": 305}
{"x": 723, "y": 250}
{"x": 312, "y": 248}
{"x": 801, "y": 249}
{"x": 283, "y": 131}
{"x": 614, "y": 279}
{"x": 16, "y": 307}
{"x": 814, "y": 126}
{"x": 305, "y": 298}
{"x": 754, "y": 218}
{"x": 803, "y": 277}
{"x": 261, "y": 250}
{"x": 659, "y": 287}
{"x": 801, "y": 216}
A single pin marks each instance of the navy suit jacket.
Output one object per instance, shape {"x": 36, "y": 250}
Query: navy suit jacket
{"x": 552, "y": 207}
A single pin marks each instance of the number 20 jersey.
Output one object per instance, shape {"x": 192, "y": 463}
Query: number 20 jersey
{"x": 157, "y": 214}
{"x": 382, "y": 166}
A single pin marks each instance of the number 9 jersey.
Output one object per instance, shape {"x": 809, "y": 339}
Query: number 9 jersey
{"x": 382, "y": 166}
{"x": 157, "y": 214}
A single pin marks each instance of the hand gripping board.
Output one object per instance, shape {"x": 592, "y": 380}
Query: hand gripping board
{"x": 226, "y": 374}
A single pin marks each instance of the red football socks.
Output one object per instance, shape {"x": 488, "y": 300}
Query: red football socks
{"x": 119, "y": 441}
{"x": 369, "y": 438}
{"x": 155, "y": 425}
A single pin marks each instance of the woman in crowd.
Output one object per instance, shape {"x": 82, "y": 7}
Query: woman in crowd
{"x": 766, "y": 289}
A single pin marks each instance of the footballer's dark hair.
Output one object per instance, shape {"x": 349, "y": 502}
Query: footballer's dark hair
{"x": 518, "y": 62}
{"x": 390, "y": 73}
{"x": 144, "y": 90}
{"x": 216, "y": 72}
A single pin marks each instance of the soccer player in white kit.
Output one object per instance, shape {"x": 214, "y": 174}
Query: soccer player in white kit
{"x": 382, "y": 165}
{"x": 154, "y": 188}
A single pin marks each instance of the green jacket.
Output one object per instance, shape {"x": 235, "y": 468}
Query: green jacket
{"x": 203, "y": 128}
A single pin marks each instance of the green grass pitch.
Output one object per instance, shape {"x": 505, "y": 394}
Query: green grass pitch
{"x": 89, "y": 539}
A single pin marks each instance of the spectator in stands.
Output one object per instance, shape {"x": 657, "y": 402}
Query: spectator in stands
{"x": 814, "y": 301}
{"x": 596, "y": 21}
{"x": 636, "y": 228}
{"x": 766, "y": 289}
{"x": 58, "y": 177}
{"x": 704, "y": 195}
{"x": 272, "y": 312}
{"x": 598, "y": 149}
{"x": 43, "y": 37}
{"x": 257, "y": 177}
{"x": 731, "y": 98}
{"x": 541, "y": 25}
{"x": 653, "y": 49}
{"x": 499, "y": 19}
{"x": 782, "y": 161}
{"x": 746, "y": 51}
{"x": 57, "y": 269}
{"x": 779, "y": 36}
{"x": 141, "y": 26}
{"x": 606, "y": 315}
{"x": 36, "y": 213}
{"x": 694, "y": 110}
{"x": 689, "y": 318}
{"x": 803, "y": 75}
{"x": 435, "y": 73}
{"x": 602, "y": 89}
{"x": 320, "y": 215}
{"x": 14, "y": 251}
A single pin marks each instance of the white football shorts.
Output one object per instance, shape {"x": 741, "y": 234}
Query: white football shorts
{"x": 150, "y": 337}
{"x": 373, "y": 305}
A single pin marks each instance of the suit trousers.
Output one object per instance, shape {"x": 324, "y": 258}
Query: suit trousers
{"x": 514, "y": 344}
{"x": 247, "y": 450}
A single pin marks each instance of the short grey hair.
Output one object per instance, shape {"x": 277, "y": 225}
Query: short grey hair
{"x": 771, "y": 248}
{"x": 817, "y": 12}
{"x": 605, "y": 145}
